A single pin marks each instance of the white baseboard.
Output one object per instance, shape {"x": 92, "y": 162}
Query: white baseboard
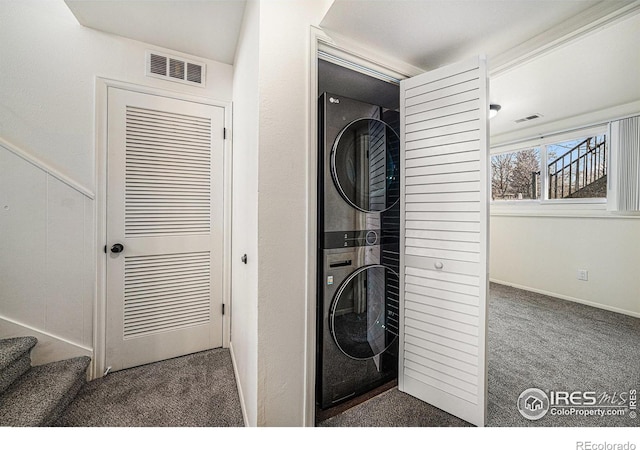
{"x": 569, "y": 298}
{"x": 49, "y": 348}
{"x": 245, "y": 417}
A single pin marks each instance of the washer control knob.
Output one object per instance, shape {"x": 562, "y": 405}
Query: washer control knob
{"x": 371, "y": 237}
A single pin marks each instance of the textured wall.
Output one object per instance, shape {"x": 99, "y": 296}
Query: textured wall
{"x": 282, "y": 204}
{"x": 244, "y": 304}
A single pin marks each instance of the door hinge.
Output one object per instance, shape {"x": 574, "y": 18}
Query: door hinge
{"x": 224, "y": 133}
{"x": 105, "y": 249}
{"x": 223, "y": 309}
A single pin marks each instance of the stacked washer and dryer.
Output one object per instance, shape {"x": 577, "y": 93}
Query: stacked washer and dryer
{"x": 358, "y": 248}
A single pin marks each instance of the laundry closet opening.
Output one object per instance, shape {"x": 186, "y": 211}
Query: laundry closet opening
{"x": 357, "y": 236}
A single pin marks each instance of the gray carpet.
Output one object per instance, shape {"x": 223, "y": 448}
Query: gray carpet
{"x": 196, "y": 390}
{"x": 40, "y": 396}
{"x": 394, "y": 409}
{"x": 552, "y": 344}
{"x": 15, "y": 359}
{"x": 534, "y": 341}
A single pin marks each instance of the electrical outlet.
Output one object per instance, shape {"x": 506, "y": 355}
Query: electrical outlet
{"x": 583, "y": 274}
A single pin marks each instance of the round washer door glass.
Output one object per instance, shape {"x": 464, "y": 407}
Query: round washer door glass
{"x": 362, "y": 318}
{"x": 365, "y": 165}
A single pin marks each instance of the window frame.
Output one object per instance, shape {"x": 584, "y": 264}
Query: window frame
{"x": 523, "y": 201}
{"x": 542, "y": 142}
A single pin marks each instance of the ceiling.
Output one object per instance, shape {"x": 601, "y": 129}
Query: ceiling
{"x": 592, "y": 77}
{"x": 537, "y": 64}
{"x": 424, "y": 33}
{"x": 431, "y": 33}
{"x": 557, "y": 58}
{"x": 204, "y": 28}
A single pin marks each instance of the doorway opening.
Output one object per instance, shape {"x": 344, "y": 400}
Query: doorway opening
{"x": 441, "y": 242}
{"x": 357, "y": 237}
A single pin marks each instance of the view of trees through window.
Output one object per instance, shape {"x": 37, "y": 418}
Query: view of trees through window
{"x": 516, "y": 175}
{"x": 574, "y": 169}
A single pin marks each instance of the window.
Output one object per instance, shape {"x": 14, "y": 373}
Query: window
{"x": 516, "y": 175}
{"x": 578, "y": 168}
{"x": 560, "y": 170}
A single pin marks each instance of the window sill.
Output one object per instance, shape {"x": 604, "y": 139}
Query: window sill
{"x": 566, "y": 202}
{"x": 595, "y": 209}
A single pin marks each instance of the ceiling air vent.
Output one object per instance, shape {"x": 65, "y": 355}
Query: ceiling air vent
{"x": 531, "y": 117}
{"x": 194, "y": 73}
{"x": 158, "y": 65}
{"x": 174, "y": 68}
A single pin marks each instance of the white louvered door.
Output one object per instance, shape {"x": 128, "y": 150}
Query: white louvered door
{"x": 165, "y": 206}
{"x": 444, "y": 238}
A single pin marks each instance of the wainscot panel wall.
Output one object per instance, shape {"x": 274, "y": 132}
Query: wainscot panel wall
{"x": 46, "y": 269}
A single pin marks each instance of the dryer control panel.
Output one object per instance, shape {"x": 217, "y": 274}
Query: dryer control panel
{"x": 356, "y": 238}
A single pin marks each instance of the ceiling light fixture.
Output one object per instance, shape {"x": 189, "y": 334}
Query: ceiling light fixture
{"x": 493, "y": 110}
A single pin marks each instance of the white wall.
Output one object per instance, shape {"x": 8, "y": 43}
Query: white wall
{"x": 543, "y": 253}
{"x": 48, "y": 68}
{"x": 282, "y": 205}
{"x": 244, "y": 304}
{"x": 271, "y": 150}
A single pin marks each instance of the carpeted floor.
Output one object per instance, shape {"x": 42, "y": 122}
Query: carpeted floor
{"x": 534, "y": 341}
{"x": 196, "y": 390}
{"x": 552, "y": 344}
{"x": 394, "y": 409}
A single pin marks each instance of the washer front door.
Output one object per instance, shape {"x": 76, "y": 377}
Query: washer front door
{"x": 359, "y": 312}
{"x": 365, "y": 165}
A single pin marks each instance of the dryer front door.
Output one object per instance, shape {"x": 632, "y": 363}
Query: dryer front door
{"x": 358, "y": 345}
{"x": 364, "y": 165}
{"x": 360, "y": 314}
{"x": 359, "y": 170}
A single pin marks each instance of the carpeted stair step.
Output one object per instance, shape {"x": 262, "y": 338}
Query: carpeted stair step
{"x": 41, "y": 395}
{"x": 15, "y": 359}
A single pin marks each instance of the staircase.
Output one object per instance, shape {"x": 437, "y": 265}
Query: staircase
{"x": 579, "y": 173}
{"x": 36, "y": 396}
{"x": 596, "y": 189}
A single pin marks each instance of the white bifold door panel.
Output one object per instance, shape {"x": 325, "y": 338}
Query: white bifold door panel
{"x": 165, "y": 208}
{"x": 444, "y": 238}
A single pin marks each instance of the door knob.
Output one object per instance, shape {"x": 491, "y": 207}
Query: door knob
{"x": 117, "y": 248}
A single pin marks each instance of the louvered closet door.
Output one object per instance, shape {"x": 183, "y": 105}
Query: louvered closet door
{"x": 164, "y": 205}
{"x": 444, "y": 239}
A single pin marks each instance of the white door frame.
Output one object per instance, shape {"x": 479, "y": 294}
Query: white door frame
{"x": 360, "y": 57}
{"x": 100, "y": 306}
